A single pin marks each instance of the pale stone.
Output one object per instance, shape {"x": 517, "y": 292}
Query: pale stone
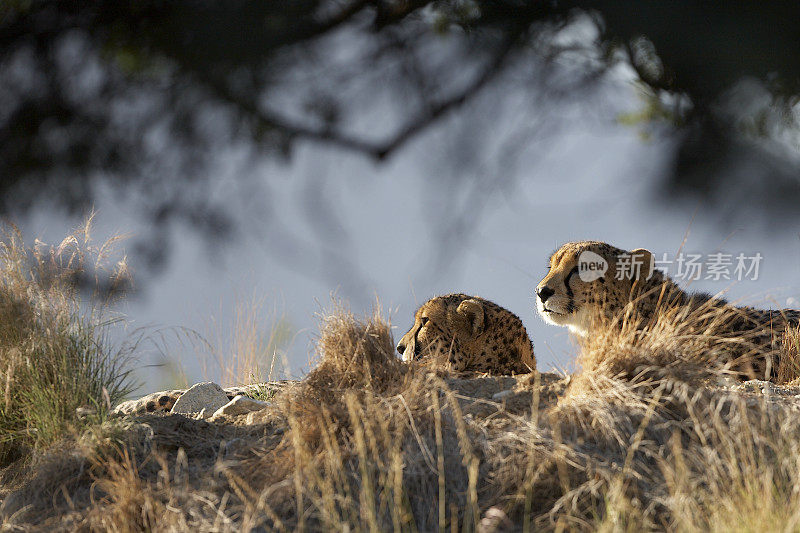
{"x": 252, "y": 418}
{"x": 495, "y": 520}
{"x": 757, "y": 385}
{"x": 85, "y": 411}
{"x": 206, "y": 395}
{"x": 502, "y": 395}
{"x": 239, "y": 406}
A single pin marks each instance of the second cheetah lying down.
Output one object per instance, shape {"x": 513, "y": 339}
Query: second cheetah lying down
{"x": 469, "y": 333}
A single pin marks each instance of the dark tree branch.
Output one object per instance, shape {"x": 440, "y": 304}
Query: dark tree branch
{"x": 377, "y": 150}
{"x": 156, "y": 62}
{"x": 436, "y": 110}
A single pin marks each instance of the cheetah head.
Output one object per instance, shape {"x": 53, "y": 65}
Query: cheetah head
{"x": 444, "y": 328}
{"x": 586, "y": 280}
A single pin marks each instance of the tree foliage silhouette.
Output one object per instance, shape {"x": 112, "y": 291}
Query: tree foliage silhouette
{"x": 144, "y": 93}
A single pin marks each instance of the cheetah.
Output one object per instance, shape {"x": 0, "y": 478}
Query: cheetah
{"x": 587, "y": 285}
{"x": 469, "y": 333}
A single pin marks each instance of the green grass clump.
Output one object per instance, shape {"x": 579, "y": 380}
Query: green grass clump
{"x": 57, "y": 370}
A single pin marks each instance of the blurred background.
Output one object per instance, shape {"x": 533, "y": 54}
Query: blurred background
{"x": 264, "y": 156}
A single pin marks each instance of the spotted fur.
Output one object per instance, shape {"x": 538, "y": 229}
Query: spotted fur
{"x": 469, "y": 333}
{"x": 164, "y": 402}
{"x": 564, "y": 299}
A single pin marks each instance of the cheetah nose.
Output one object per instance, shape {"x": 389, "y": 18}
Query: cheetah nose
{"x": 545, "y": 293}
{"x": 401, "y": 348}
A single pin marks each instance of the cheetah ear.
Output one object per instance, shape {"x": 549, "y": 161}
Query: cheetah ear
{"x": 644, "y": 258}
{"x": 472, "y": 310}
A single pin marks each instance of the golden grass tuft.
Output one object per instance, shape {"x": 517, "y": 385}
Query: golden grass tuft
{"x": 789, "y": 366}
{"x": 689, "y": 341}
{"x": 355, "y": 354}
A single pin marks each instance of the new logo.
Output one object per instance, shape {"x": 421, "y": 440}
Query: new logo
{"x": 591, "y": 266}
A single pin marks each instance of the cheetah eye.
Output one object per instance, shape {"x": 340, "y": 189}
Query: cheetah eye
{"x": 424, "y": 320}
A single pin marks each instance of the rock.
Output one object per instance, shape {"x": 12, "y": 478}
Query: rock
{"x": 12, "y": 505}
{"x": 85, "y": 411}
{"x": 260, "y": 389}
{"x": 254, "y": 417}
{"x": 502, "y": 394}
{"x": 495, "y": 520}
{"x": 162, "y": 401}
{"x": 240, "y": 405}
{"x": 756, "y": 386}
{"x": 206, "y": 395}
{"x": 730, "y": 382}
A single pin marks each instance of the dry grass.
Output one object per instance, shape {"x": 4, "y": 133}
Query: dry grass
{"x": 696, "y": 340}
{"x": 649, "y": 435}
{"x": 249, "y": 348}
{"x": 789, "y": 367}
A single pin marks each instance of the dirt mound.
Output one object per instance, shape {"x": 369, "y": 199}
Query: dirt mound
{"x": 645, "y": 436}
